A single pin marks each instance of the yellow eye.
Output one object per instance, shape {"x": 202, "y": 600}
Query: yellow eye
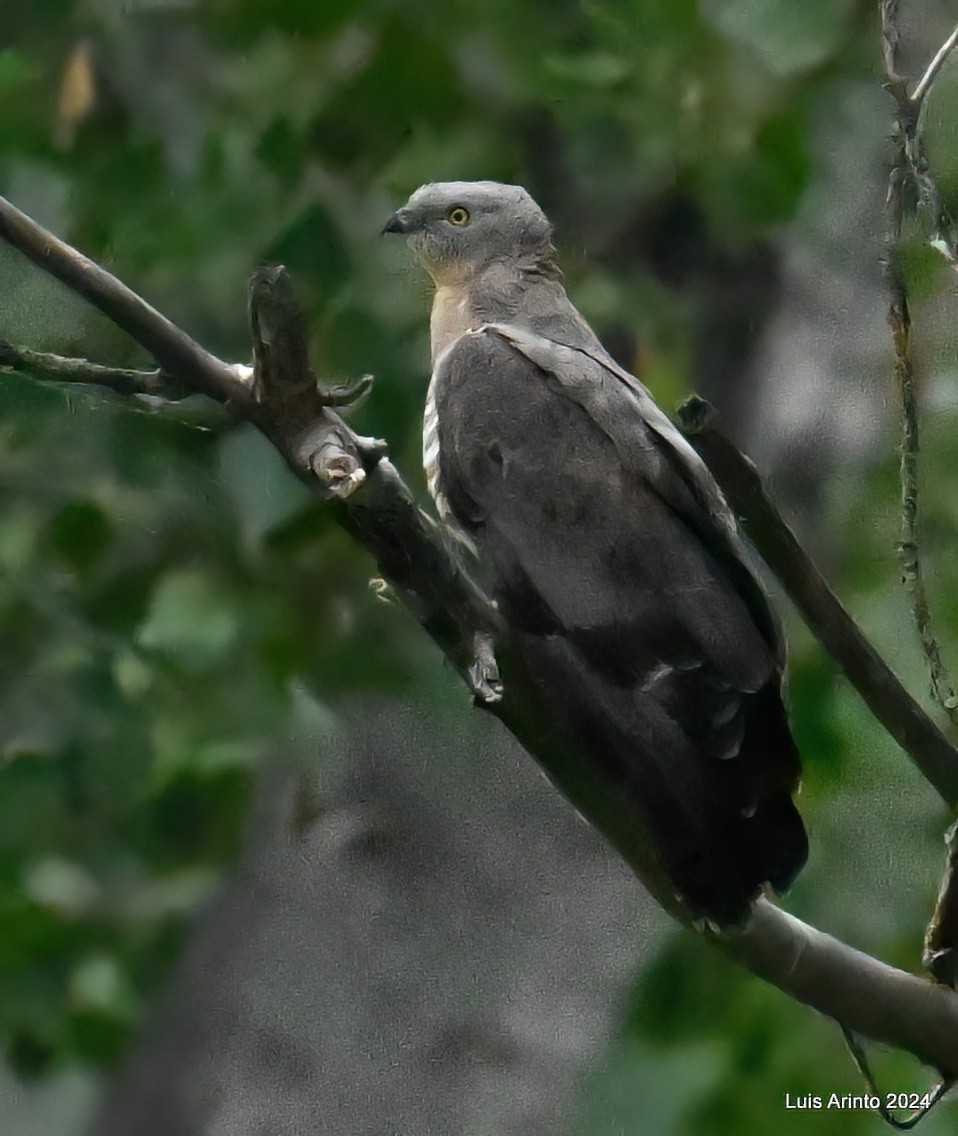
{"x": 458, "y": 215}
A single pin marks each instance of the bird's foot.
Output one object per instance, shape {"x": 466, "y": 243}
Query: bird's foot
{"x": 372, "y": 449}
{"x": 483, "y": 675}
{"x": 345, "y": 394}
{"x": 943, "y": 965}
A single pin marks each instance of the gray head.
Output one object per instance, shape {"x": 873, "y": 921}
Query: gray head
{"x": 458, "y": 227}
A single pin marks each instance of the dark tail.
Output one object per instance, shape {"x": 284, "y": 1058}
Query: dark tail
{"x": 720, "y": 829}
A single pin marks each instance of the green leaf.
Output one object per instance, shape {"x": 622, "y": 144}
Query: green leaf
{"x": 16, "y": 70}
{"x": 591, "y": 69}
{"x": 99, "y": 985}
{"x": 191, "y": 619}
{"x": 265, "y": 493}
{"x": 637, "y": 1090}
{"x": 789, "y": 37}
{"x": 62, "y": 885}
{"x": 81, "y": 533}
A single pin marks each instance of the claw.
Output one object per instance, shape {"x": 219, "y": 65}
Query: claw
{"x": 382, "y": 590}
{"x": 483, "y": 675}
{"x": 372, "y": 449}
{"x": 943, "y": 965}
{"x": 346, "y": 393}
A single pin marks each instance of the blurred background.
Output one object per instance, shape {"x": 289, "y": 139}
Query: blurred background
{"x": 262, "y": 868}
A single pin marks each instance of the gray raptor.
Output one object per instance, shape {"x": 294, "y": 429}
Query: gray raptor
{"x": 610, "y": 552}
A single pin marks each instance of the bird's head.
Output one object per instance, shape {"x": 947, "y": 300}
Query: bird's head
{"x": 457, "y": 228}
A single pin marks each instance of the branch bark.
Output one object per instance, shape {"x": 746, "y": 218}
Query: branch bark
{"x": 436, "y": 583}
{"x": 911, "y": 183}
{"x": 172, "y": 348}
{"x": 42, "y": 365}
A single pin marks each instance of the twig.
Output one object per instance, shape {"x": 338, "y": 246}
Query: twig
{"x": 888, "y": 16}
{"x": 873, "y": 999}
{"x": 910, "y": 170}
{"x": 908, "y": 548}
{"x": 868, "y": 672}
{"x": 901, "y": 1124}
{"x": 940, "y": 953}
{"x": 171, "y": 347}
{"x": 931, "y": 73}
{"x": 56, "y": 368}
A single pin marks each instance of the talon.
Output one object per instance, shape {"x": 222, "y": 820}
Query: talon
{"x": 372, "y": 448}
{"x": 483, "y": 675}
{"x": 485, "y": 691}
{"x": 943, "y": 965}
{"x": 382, "y": 590}
{"x": 346, "y": 393}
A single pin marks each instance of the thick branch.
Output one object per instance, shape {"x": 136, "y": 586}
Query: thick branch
{"x": 372, "y": 503}
{"x": 419, "y": 563}
{"x": 865, "y": 995}
{"x": 868, "y": 672}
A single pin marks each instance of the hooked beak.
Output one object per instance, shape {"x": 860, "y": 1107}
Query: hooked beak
{"x": 399, "y": 222}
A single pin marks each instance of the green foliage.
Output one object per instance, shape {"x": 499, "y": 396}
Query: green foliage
{"x": 171, "y": 599}
{"x": 787, "y": 38}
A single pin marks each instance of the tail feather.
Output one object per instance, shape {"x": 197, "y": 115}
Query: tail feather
{"x": 720, "y": 828}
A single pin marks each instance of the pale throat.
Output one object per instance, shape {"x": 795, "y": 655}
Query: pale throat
{"x": 465, "y": 301}
{"x": 452, "y": 316}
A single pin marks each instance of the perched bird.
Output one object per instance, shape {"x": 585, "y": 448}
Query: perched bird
{"x": 609, "y": 550}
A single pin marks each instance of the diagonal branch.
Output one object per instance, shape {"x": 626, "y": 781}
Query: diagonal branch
{"x": 925, "y": 83}
{"x": 435, "y": 582}
{"x": 171, "y": 347}
{"x": 868, "y": 672}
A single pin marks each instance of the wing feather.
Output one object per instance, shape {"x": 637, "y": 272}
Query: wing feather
{"x": 605, "y": 543}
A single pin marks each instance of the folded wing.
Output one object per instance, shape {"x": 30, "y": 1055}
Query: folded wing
{"x": 613, "y": 553}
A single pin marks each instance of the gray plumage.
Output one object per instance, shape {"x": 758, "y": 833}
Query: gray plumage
{"x": 609, "y": 549}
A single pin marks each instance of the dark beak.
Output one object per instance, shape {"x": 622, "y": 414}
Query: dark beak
{"x": 399, "y": 222}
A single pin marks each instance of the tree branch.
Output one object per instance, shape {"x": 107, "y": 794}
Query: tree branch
{"x": 911, "y": 181}
{"x": 435, "y": 582}
{"x": 931, "y": 73}
{"x": 42, "y": 365}
{"x": 910, "y": 171}
{"x": 940, "y": 954}
{"x": 865, "y": 995}
{"x": 892, "y": 705}
{"x": 172, "y": 348}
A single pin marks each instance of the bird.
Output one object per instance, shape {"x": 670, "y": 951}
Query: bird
{"x": 609, "y": 552}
